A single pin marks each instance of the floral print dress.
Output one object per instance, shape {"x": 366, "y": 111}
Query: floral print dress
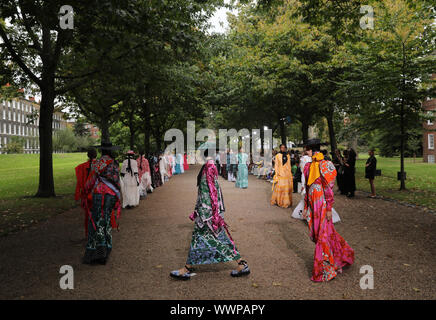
{"x": 332, "y": 252}
{"x": 211, "y": 242}
{"x": 104, "y": 185}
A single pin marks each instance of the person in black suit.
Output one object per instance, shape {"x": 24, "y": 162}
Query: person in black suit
{"x": 370, "y": 168}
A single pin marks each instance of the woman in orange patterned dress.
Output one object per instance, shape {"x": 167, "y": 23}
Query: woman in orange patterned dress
{"x": 282, "y": 183}
{"x": 332, "y": 252}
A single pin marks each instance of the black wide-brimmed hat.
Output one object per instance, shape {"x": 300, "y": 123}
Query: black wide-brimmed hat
{"x": 313, "y": 142}
{"x": 107, "y": 146}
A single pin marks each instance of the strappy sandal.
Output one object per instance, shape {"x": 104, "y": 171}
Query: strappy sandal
{"x": 244, "y": 272}
{"x": 185, "y": 276}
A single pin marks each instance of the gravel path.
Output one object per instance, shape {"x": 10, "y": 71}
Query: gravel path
{"x": 397, "y": 241}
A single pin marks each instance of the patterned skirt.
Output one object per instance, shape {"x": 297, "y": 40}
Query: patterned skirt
{"x": 99, "y": 244}
{"x": 282, "y": 194}
{"x": 206, "y": 248}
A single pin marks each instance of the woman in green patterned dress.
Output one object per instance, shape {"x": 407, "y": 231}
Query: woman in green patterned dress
{"x": 211, "y": 241}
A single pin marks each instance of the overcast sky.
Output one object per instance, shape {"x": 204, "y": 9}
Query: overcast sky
{"x": 219, "y": 20}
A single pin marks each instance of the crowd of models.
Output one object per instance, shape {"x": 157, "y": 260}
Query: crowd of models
{"x": 102, "y": 187}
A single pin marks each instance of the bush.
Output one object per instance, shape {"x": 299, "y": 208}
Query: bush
{"x": 15, "y": 145}
{"x": 66, "y": 141}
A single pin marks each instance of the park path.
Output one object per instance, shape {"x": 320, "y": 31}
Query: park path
{"x": 397, "y": 241}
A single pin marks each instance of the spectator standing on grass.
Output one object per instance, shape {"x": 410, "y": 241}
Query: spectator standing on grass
{"x": 370, "y": 168}
{"x": 82, "y": 173}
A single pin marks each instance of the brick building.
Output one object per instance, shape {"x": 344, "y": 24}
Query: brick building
{"x": 428, "y": 141}
{"x": 94, "y": 132}
{"x": 15, "y": 121}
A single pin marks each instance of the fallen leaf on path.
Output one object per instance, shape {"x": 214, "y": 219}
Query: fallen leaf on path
{"x": 407, "y": 265}
{"x": 389, "y": 256}
{"x": 158, "y": 266}
{"x": 254, "y": 285}
{"x": 416, "y": 289}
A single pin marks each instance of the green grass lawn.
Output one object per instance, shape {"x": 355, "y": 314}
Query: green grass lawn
{"x": 420, "y": 180}
{"x": 19, "y": 182}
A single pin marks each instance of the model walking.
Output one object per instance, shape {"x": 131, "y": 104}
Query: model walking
{"x": 211, "y": 241}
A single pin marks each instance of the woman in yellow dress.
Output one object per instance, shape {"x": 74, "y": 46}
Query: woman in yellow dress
{"x": 282, "y": 183}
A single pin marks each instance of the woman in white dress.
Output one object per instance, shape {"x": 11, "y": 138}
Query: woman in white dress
{"x": 163, "y": 168}
{"x": 130, "y": 182}
{"x": 298, "y": 211}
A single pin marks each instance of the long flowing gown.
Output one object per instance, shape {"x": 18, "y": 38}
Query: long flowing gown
{"x": 211, "y": 241}
{"x": 332, "y": 252}
{"x": 185, "y": 162}
{"x": 298, "y": 211}
{"x": 129, "y": 185}
{"x": 179, "y": 164}
{"x": 169, "y": 166}
{"x": 282, "y": 184}
{"x": 182, "y": 163}
{"x": 82, "y": 172}
{"x": 144, "y": 176}
{"x": 223, "y": 163}
{"x": 163, "y": 170}
{"x": 156, "y": 178}
{"x": 242, "y": 180}
{"x": 104, "y": 184}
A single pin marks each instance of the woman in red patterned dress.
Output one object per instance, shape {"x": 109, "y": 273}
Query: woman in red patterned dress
{"x": 332, "y": 252}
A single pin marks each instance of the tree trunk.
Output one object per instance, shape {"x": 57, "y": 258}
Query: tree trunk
{"x": 132, "y": 132}
{"x": 158, "y": 138}
{"x": 332, "y": 135}
{"x": 403, "y": 183}
{"x": 305, "y": 130}
{"x": 132, "y": 139}
{"x": 146, "y": 128}
{"x": 262, "y": 141}
{"x": 104, "y": 126}
{"x": 46, "y": 182}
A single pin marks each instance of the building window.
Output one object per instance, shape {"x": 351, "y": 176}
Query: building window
{"x": 430, "y": 158}
{"x": 430, "y": 121}
{"x": 431, "y": 141}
